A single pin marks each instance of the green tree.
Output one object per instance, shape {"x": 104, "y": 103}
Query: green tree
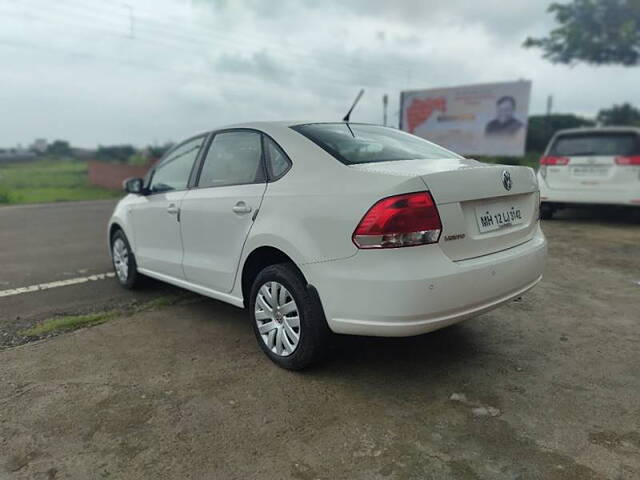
{"x": 157, "y": 151}
{"x": 115, "y": 153}
{"x": 593, "y": 31}
{"x": 59, "y": 148}
{"x": 625, "y": 114}
{"x": 541, "y": 128}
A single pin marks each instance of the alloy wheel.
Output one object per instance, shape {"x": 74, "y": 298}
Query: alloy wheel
{"x": 277, "y": 318}
{"x": 120, "y": 254}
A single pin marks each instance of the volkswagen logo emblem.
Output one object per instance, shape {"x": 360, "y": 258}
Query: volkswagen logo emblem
{"x": 506, "y": 180}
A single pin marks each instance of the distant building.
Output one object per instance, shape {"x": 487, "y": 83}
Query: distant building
{"x": 39, "y": 145}
{"x": 15, "y": 154}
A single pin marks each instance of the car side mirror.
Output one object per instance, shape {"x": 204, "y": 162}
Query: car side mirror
{"x": 134, "y": 185}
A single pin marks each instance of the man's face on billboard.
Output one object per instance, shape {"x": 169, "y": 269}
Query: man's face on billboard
{"x": 505, "y": 111}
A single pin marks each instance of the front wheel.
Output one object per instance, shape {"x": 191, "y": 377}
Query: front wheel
{"x": 124, "y": 263}
{"x": 288, "y": 320}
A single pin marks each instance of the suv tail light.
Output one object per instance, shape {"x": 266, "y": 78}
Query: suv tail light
{"x": 549, "y": 160}
{"x": 399, "y": 221}
{"x": 632, "y": 160}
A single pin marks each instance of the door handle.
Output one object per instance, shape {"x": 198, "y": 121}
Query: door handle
{"x": 172, "y": 209}
{"x": 241, "y": 208}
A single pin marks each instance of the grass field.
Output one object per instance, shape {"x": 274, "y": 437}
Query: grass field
{"x": 48, "y": 180}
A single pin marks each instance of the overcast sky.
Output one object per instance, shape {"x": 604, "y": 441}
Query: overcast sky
{"x": 148, "y": 71}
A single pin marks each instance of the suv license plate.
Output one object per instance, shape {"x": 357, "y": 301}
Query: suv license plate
{"x": 589, "y": 171}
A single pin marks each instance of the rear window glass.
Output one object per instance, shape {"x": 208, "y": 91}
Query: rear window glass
{"x": 358, "y": 143}
{"x": 587, "y": 144}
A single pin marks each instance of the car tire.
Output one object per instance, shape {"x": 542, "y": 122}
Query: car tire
{"x": 287, "y": 317}
{"x": 124, "y": 262}
{"x": 546, "y": 211}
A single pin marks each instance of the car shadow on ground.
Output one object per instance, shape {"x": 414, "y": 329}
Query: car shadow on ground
{"x": 434, "y": 350}
{"x": 439, "y": 350}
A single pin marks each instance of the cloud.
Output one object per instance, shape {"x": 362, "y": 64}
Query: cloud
{"x": 259, "y": 64}
{"x": 90, "y": 72}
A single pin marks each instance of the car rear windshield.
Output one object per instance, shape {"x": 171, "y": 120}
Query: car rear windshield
{"x": 353, "y": 143}
{"x": 587, "y": 144}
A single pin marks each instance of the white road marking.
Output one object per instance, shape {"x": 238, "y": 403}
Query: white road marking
{"x": 59, "y": 283}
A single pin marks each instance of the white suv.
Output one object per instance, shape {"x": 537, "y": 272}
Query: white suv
{"x": 331, "y": 227}
{"x": 590, "y": 166}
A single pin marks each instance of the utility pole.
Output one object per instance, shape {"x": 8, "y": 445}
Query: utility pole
{"x": 548, "y": 116}
{"x": 132, "y": 31}
{"x": 385, "y": 103}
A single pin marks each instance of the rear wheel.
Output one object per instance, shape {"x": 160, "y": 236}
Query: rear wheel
{"x": 124, "y": 263}
{"x": 546, "y": 211}
{"x": 288, "y": 320}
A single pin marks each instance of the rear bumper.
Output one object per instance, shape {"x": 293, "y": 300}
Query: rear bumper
{"x": 415, "y": 290}
{"x": 603, "y": 197}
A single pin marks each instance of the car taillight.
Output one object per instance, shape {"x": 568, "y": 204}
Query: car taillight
{"x": 399, "y": 221}
{"x": 549, "y": 160}
{"x": 632, "y": 160}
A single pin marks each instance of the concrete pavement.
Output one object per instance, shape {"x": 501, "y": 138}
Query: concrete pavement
{"x": 43, "y": 243}
{"x": 53, "y": 242}
{"x": 543, "y": 388}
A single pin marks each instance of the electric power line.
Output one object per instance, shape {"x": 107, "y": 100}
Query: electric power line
{"x": 174, "y": 33}
{"x": 65, "y": 21}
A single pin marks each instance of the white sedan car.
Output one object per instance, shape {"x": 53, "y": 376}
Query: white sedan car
{"x": 589, "y": 166}
{"x": 331, "y": 227}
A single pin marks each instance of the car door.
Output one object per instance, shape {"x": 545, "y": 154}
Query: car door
{"x": 156, "y": 216}
{"x": 217, "y": 214}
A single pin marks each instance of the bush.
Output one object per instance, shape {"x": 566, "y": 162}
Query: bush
{"x": 115, "y": 153}
{"x": 5, "y": 197}
{"x": 138, "y": 159}
{"x": 530, "y": 159}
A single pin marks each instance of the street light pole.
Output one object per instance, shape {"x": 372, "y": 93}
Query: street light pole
{"x": 385, "y": 103}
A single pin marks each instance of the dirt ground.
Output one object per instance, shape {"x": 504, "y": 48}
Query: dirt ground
{"x": 547, "y": 387}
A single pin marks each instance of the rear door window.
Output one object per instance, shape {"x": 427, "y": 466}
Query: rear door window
{"x": 595, "y": 144}
{"x": 277, "y": 161}
{"x": 234, "y": 158}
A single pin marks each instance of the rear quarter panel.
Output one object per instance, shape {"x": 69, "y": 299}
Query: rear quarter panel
{"x": 312, "y": 218}
{"x": 310, "y": 213}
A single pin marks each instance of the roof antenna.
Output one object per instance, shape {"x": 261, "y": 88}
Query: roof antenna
{"x": 348, "y": 115}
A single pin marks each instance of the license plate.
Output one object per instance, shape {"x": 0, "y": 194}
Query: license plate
{"x": 498, "y": 215}
{"x": 589, "y": 171}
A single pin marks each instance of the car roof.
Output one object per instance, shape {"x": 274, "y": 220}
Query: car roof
{"x": 286, "y": 123}
{"x": 609, "y": 129}
{"x": 262, "y": 124}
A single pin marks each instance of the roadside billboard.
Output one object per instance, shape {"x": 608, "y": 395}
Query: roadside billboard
{"x": 487, "y": 119}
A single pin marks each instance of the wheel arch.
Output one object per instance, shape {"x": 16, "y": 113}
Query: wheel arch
{"x": 115, "y": 226}
{"x": 118, "y": 224}
{"x": 260, "y": 258}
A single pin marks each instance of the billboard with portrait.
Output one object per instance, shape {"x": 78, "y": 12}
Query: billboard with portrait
{"x": 487, "y": 119}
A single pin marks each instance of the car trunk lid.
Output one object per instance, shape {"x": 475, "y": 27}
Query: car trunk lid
{"x": 484, "y": 208}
